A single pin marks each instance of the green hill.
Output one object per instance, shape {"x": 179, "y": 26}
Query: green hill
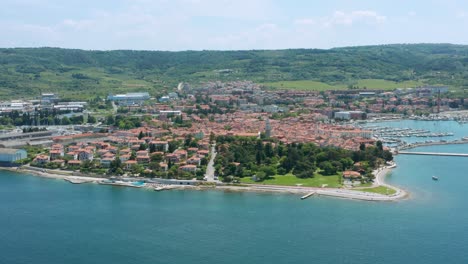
{"x": 79, "y": 73}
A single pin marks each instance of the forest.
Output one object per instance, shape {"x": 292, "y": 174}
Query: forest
{"x": 246, "y": 156}
{"x": 81, "y": 73}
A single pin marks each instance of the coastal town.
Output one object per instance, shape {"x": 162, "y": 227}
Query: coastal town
{"x": 173, "y": 139}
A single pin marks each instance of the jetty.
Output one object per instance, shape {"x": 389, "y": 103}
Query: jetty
{"x": 121, "y": 183}
{"x": 162, "y": 187}
{"x": 307, "y": 195}
{"x": 433, "y": 153}
{"x": 77, "y": 180}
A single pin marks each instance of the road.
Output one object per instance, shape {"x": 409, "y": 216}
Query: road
{"x": 210, "y": 170}
{"x": 114, "y": 107}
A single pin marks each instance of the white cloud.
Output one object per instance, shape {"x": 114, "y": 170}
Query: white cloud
{"x": 305, "y": 21}
{"x": 461, "y": 14}
{"x": 349, "y": 18}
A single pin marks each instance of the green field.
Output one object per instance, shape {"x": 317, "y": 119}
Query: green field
{"x": 386, "y": 85}
{"x": 379, "y": 189}
{"x": 291, "y": 180}
{"x": 371, "y": 84}
{"x": 303, "y": 85}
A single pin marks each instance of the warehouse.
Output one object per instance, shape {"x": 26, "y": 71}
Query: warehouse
{"x": 8, "y": 156}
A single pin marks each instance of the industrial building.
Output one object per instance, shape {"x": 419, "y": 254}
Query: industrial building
{"x": 8, "y": 156}
{"x": 49, "y": 98}
{"x": 129, "y": 98}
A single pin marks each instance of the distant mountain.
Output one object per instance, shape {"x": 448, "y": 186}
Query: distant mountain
{"x": 80, "y": 73}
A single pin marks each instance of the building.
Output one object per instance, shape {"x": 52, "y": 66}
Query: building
{"x": 267, "y": 128}
{"x": 49, "y": 98}
{"x": 129, "y": 98}
{"x": 11, "y": 156}
{"x": 348, "y": 115}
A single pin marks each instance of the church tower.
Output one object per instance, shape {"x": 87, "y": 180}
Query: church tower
{"x": 267, "y": 128}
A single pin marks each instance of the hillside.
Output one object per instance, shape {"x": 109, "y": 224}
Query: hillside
{"x": 79, "y": 73}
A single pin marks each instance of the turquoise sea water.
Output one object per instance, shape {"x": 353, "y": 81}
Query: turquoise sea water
{"x": 51, "y": 221}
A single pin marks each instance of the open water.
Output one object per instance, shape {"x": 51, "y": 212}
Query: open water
{"x": 47, "y": 221}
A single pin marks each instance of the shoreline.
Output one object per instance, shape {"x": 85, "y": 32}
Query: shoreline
{"x": 354, "y": 194}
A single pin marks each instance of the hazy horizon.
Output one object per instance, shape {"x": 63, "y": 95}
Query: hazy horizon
{"x": 229, "y": 25}
{"x": 342, "y": 47}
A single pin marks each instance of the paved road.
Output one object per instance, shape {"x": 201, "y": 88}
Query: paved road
{"x": 114, "y": 107}
{"x": 210, "y": 170}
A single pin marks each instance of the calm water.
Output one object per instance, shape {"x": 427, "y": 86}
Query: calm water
{"x": 51, "y": 221}
{"x": 458, "y": 130}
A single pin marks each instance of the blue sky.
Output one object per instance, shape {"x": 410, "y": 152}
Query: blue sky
{"x": 229, "y": 24}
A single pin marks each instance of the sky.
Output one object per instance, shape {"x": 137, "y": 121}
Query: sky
{"x": 229, "y": 24}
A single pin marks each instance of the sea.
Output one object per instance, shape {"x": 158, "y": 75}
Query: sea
{"x": 46, "y": 221}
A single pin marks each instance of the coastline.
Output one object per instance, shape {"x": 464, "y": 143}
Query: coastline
{"x": 355, "y": 194}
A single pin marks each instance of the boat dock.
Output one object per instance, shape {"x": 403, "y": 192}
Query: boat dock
{"x": 433, "y": 153}
{"x": 121, "y": 183}
{"x": 307, "y": 195}
{"x": 77, "y": 180}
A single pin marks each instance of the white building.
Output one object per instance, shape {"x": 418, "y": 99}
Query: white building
{"x": 129, "y": 98}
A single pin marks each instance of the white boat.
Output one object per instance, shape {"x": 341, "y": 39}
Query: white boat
{"x": 435, "y": 178}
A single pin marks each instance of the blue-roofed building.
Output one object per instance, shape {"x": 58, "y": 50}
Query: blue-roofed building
{"x": 9, "y": 157}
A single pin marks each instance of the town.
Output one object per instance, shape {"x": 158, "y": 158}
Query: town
{"x": 174, "y": 135}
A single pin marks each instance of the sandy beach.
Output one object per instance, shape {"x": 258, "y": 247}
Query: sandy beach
{"x": 380, "y": 175}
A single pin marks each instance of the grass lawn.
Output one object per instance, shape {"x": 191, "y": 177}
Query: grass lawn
{"x": 291, "y": 180}
{"x": 303, "y": 85}
{"x": 372, "y": 84}
{"x": 380, "y": 189}
{"x": 386, "y": 85}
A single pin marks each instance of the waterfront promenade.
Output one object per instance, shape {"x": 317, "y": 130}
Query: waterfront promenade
{"x": 333, "y": 192}
{"x": 433, "y": 153}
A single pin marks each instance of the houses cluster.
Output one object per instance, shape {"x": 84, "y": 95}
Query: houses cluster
{"x": 137, "y": 147}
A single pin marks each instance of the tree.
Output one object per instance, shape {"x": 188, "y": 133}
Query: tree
{"x": 115, "y": 165}
{"x": 110, "y": 120}
{"x": 172, "y": 146}
{"x": 269, "y": 150}
{"x": 387, "y": 155}
{"x": 306, "y": 174}
{"x": 141, "y": 135}
{"x": 154, "y": 165}
{"x": 188, "y": 140}
{"x": 152, "y": 148}
{"x": 327, "y": 168}
{"x": 156, "y": 157}
{"x": 268, "y": 170}
{"x": 91, "y": 119}
{"x": 65, "y": 121}
{"x": 362, "y": 147}
{"x": 379, "y": 145}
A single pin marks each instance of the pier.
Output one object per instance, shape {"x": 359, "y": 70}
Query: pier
{"x": 307, "y": 195}
{"x": 433, "y": 154}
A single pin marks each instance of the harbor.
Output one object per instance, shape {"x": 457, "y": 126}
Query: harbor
{"x": 411, "y": 133}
